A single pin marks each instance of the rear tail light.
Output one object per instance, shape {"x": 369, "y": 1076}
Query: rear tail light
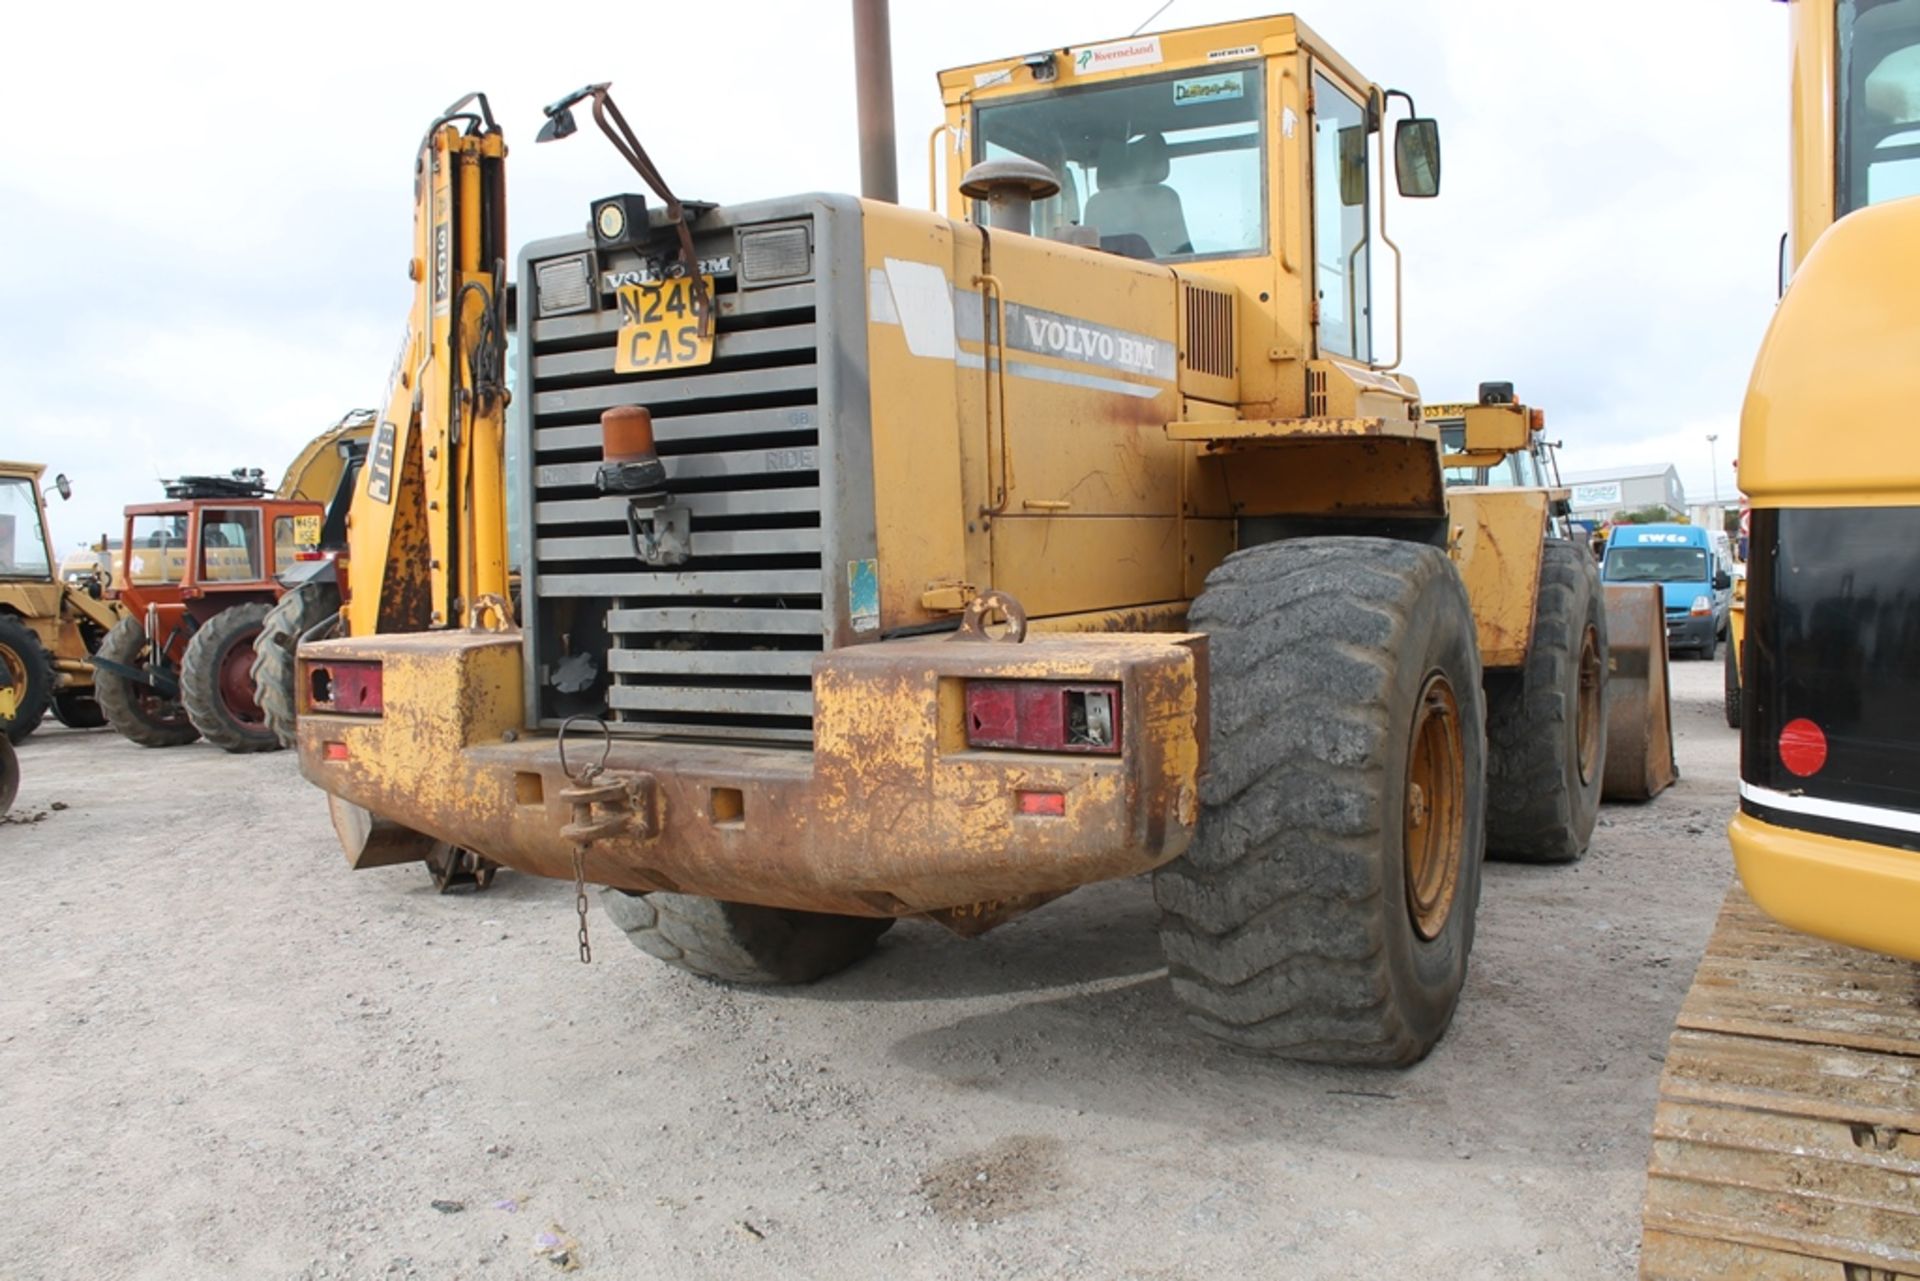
{"x": 1803, "y": 747}
{"x": 1040, "y": 716}
{"x": 345, "y": 688}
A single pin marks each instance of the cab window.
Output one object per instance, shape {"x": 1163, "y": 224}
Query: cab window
{"x": 283, "y": 548}
{"x": 1342, "y": 285}
{"x": 23, "y": 546}
{"x": 1167, "y": 167}
{"x": 229, "y": 546}
{"x": 1879, "y": 116}
{"x": 157, "y": 549}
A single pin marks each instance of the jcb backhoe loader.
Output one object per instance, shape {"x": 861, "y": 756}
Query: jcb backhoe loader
{"x": 789, "y": 462}
{"x": 1787, "y": 1140}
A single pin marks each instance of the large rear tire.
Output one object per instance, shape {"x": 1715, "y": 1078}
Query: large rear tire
{"x": 29, "y": 671}
{"x": 1325, "y": 909}
{"x": 296, "y": 614}
{"x": 216, "y": 681}
{"x": 136, "y": 710}
{"x": 1547, "y": 723}
{"x": 742, "y": 943}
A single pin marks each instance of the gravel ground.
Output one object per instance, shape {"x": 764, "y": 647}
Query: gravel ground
{"x": 224, "y": 1055}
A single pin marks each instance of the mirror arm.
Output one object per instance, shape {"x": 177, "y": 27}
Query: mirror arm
{"x": 1399, "y": 331}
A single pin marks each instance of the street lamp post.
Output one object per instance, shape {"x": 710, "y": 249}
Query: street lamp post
{"x": 1713, "y": 466}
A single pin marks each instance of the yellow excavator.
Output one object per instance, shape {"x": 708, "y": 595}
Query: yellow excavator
{"x": 1787, "y": 1137}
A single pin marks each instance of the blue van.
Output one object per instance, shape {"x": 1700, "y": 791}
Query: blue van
{"x": 1693, "y": 572}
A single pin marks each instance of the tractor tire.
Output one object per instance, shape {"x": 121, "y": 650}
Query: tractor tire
{"x": 216, "y": 681}
{"x": 1547, "y": 723}
{"x": 29, "y": 671}
{"x": 135, "y": 710}
{"x": 1730, "y": 700}
{"x": 9, "y": 774}
{"x": 78, "y": 709}
{"x": 740, "y": 942}
{"x": 296, "y": 614}
{"x": 1325, "y": 909}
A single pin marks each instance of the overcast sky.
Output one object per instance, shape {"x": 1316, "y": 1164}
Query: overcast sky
{"x": 206, "y": 210}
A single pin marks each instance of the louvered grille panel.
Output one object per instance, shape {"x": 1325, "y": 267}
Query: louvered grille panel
{"x": 1209, "y": 332}
{"x": 722, "y": 645}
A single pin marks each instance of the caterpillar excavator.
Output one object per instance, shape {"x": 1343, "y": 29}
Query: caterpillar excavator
{"x": 886, "y": 563}
{"x": 1787, "y": 1137}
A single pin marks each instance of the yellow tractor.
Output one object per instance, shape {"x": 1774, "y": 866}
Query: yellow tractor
{"x": 1787, "y": 1138}
{"x": 887, "y": 564}
{"x": 48, "y": 627}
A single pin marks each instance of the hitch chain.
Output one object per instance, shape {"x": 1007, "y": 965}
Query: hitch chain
{"x": 585, "y": 828}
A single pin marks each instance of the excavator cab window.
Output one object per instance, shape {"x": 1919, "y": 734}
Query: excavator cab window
{"x": 1163, "y": 167}
{"x": 23, "y": 548}
{"x": 1879, "y": 152}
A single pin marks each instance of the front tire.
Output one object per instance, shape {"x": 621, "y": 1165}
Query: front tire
{"x": 1325, "y": 909}
{"x": 29, "y": 671}
{"x": 135, "y": 709}
{"x": 216, "y": 681}
{"x": 741, "y": 942}
{"x": 1547, "y": 723}
{"x": 296, "y": 614}
{"x": 78, "y": 709}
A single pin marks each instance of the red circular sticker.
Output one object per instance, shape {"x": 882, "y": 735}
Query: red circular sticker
{"x": 1803, "y": 747}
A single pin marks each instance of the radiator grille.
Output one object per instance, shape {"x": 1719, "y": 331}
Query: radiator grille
{"x": 721, "y": 646}
{"x": 1209, "y": 332}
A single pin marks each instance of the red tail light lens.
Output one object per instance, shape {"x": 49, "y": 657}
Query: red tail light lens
{"x": 1041, "y": 716}
{"x": 1041, "y": 804}
{"x": 1803, "y": 747}
{"x": 345, "y": 688}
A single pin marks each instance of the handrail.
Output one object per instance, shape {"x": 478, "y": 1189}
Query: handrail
{"x": 996, "y": 383}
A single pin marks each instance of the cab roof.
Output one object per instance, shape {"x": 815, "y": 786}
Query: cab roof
{"x": 1180, "y": 46}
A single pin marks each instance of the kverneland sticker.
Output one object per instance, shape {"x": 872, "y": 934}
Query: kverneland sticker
{"x": 1115, "y": 55}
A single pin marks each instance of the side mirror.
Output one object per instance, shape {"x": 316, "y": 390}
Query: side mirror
{"x": 1353, "y": 166}
{"x": 1722, "y": 580}
{"x": 64, "y": 485}
{"x": 1416, "y": 157}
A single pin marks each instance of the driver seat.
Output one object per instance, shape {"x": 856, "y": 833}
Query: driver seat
{"x": 1134, "y": 199}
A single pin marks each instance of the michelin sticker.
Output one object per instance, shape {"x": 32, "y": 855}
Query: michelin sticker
{"x": 1223, "y": 88}
{"x": 1115, "y": 55}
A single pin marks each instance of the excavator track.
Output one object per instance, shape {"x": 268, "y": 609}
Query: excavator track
{"x": 1786, "y": 1142}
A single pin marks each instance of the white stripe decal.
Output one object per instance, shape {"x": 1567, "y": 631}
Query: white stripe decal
{"x": 1841, "y": 811}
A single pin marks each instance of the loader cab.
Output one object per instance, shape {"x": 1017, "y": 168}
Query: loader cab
{"x": 1249, "y": 154}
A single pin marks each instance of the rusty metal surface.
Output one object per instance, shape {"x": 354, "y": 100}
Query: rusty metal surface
{"x": 1640, "y": 762}
{"x": 1497, "y": 537}
{"x": 1786, "y": 1141}
{"x": 890, "y": 815}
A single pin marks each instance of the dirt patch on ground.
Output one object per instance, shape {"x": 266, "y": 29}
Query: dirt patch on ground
{"x": 1006, "y": 1177}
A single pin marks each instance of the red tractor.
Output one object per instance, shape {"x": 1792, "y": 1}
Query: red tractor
{"x": 201, "y": 571}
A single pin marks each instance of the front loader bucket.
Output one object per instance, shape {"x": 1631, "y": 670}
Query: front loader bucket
{"x": 1640, "y": 762}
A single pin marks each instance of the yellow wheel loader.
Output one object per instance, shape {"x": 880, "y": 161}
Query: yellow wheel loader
{"x": 48, "y": 627}
{"x": 886, "y": 563}
{"x": 1787, "y": 1139}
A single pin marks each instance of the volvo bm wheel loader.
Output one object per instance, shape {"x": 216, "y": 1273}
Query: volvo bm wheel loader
{"x": 884, "y": 564}
{"x": 1787, "y": 1138}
